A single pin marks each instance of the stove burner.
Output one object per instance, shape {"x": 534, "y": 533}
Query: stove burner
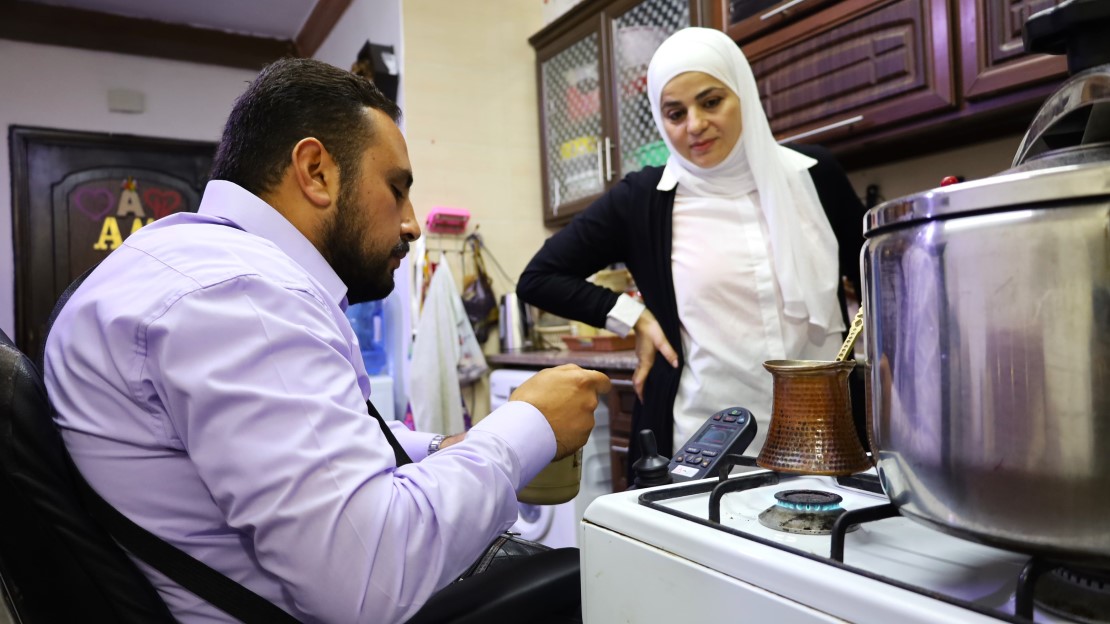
{"x": 807, "y": 512}
{"x": 1076, "y": 594}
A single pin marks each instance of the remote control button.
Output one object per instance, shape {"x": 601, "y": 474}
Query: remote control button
{"x": 691, "y": 450}
{"x": 709, "y": 453}
{"x": 716, "y": 416}
{"x": 733, "y": 412}
{"x": 730, "y": 419}
{"x": 693, "y": 460}
{"x": 679, "y": 458}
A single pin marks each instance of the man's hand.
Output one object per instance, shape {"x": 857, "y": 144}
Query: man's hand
{"x": 567, "y": 396}
{"x": 649, "y": 339}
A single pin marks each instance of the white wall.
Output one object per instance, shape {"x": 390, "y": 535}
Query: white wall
{"x": 376, "y": 20}
{"x": 906, "y": 177}
{"x": 380, "y": 22}
{"x": 66, "y": 88}
{"x": 472, "y": 124}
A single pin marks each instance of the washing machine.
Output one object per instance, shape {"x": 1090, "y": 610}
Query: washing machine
{"x": 557, "y": 525}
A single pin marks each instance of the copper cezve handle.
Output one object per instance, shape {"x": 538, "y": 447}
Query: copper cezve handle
{"x": 853, "y": 331}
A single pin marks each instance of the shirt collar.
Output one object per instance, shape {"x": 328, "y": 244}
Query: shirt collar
{"x": 669, "y": 179}
{"x": 231, "y": 202}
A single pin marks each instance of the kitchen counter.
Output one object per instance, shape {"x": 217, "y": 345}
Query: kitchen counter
{"x": 599, "y": 360}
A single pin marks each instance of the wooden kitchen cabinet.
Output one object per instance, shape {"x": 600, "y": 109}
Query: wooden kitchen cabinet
{"x": 591, "y": 74}
{"x": 622, "y": 398}
{"x": 855, "y": 66}
{"x": 995, "y": 60}
{"x": 745, "y": 20}
{"x": 876, "y": 80}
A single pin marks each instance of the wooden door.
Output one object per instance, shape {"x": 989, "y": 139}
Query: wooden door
{"x": 77, "y": 196}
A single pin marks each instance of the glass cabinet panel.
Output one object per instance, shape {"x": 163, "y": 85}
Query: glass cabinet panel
{"x": 572, "y": 123}
{"x": 636, "y": 35}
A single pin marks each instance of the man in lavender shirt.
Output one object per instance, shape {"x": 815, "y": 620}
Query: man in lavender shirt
{"x": 209, "y": 386}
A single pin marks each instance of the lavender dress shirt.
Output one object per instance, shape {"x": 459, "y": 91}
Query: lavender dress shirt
{"x": 209, "y": 387}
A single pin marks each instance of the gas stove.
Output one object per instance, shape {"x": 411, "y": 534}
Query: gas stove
{"x": 773, "y": 547}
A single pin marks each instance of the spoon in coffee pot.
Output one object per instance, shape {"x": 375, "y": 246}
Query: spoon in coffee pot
{"x": 853, "y": 332}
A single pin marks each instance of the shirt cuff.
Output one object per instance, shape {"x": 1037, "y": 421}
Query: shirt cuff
{"x": 622, "y": 318}
{"x": 527, "y": 433}
{"x": 415, "y": 443}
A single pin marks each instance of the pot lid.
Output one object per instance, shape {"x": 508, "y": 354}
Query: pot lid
{"x": 1041, "y": 188}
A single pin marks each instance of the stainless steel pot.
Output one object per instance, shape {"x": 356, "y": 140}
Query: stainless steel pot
{"x": 989, "y": 342}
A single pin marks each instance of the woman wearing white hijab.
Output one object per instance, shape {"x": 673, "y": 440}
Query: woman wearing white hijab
{"x": 737, "y": 246}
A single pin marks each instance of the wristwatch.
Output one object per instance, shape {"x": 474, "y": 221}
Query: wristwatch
{"x": 433, "y": 446}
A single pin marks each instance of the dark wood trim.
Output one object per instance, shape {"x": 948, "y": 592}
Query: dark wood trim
{"x": 91, "y": 30}
{"x": 318, "y": 26}
{"x": 754, "y": 26}
{"x": 567, "y": 22}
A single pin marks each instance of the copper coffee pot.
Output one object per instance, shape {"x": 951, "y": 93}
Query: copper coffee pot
{"x": 811, "y": 417}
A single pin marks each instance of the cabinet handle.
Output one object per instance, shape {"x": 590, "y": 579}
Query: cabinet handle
{"x": 608, "y": 160}
{"x": 600, "y": 166}
{"x": 782, "y": 9}
{"x": 619, "y": 449}
{"x": 832, "y": 126}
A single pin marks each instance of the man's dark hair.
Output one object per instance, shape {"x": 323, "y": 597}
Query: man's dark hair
{"x": 290, "y": 100}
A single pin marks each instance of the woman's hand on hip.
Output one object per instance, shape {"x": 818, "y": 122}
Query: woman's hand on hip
{"x": 649, "y": 339}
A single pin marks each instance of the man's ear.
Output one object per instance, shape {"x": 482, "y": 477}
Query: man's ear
{"x": 315, "y": 173}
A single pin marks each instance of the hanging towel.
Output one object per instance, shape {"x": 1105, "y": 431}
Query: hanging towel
{"x": 445, "y": 354}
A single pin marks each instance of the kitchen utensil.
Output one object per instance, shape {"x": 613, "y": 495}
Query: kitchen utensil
{"x": 516, "y": 324}
{"x": 988, "y": 328}
{"x": 853, "y": 333}
{"x": 811, "y": 420}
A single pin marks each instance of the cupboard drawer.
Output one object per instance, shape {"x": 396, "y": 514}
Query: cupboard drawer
{"x": 748, "y": 19}
{"x": 855, "y": 66}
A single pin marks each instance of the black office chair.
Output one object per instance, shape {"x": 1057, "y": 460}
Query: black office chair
{"x": 58, "y": 565}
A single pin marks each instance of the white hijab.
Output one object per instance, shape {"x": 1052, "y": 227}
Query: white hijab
{"x": 803, "y": 246}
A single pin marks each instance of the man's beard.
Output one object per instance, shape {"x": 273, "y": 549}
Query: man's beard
{"x": 366, "y": 274}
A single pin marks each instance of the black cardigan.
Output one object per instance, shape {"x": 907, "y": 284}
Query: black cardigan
{"x": 631, "y": 223}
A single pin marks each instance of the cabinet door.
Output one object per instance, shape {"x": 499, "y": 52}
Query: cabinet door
{"x": 622, "y": 399}
{"x": 572, "y": 122}
{"x": 747, "y": 19}
{"x": 992, "y": 56}
{"x": 855, "y": 66}
{"x": 636, "y": 31}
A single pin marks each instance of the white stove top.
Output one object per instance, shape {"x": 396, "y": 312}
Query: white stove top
{"x": 896, "y": 548}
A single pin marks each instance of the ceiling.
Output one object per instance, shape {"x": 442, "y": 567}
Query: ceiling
{"x": 239, "y": 33}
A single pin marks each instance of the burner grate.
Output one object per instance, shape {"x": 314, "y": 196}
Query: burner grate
{"x": 717, "y": 488}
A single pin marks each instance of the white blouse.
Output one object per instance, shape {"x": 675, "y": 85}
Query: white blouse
{"x": 731, "y": 313}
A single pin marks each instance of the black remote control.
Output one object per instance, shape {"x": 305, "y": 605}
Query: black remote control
{"x": 729, "y": 431}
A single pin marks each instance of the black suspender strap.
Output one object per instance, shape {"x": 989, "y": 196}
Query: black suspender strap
{"x": 398, "y": 452}
{"x": 183, "y": 569}
{"x": 195, "y": 576}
